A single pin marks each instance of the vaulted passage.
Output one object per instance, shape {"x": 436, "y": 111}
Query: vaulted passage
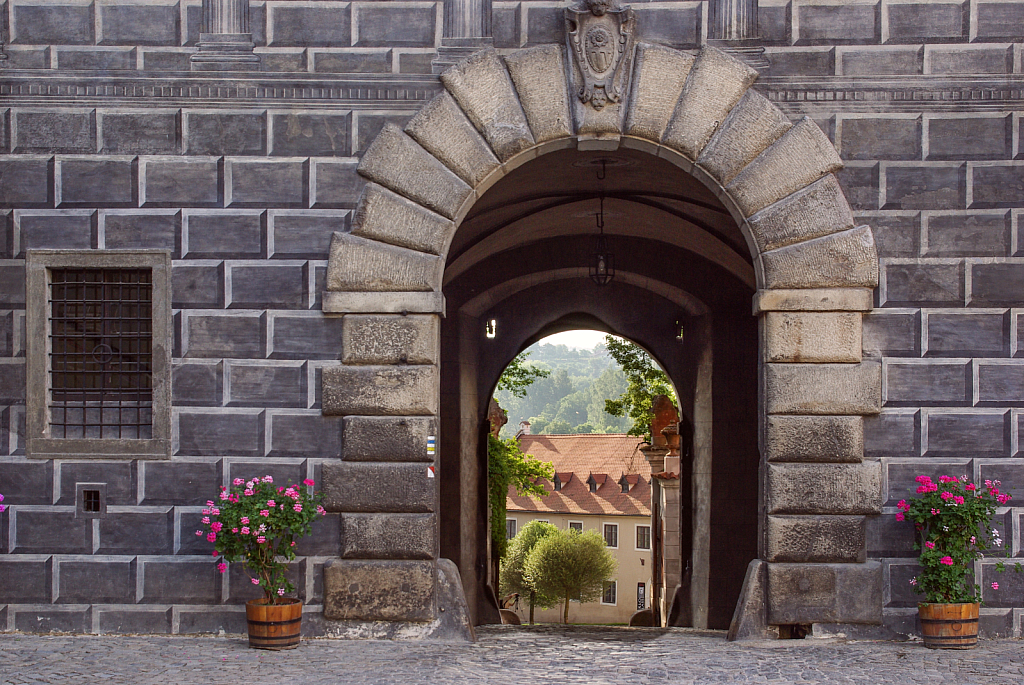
{"x": 522, "y": 258}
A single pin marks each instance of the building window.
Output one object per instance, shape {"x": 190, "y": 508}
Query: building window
{"x": 98, "y": 354}
{"x": 608, "y": 595}
{"x": 641, "y": 596}
{"x": 611, "y": 534}
{"x": 510, "y": 529}
{"x": 576, "y": 525}
{"x": 643, "y": 537}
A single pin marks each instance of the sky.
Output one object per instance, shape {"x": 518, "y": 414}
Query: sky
{"x": 577, "y": 340}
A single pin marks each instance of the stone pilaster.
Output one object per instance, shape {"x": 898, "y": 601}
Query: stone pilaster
{"x": 225, "y": 43}
{"x": 467, "y": 29}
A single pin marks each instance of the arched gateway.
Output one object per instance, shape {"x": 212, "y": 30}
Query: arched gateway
{"x": 813, "y": 271}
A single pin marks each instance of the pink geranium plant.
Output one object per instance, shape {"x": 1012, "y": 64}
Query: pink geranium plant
{"x": 256, "y": 522}
{"x": 953, "y": 521}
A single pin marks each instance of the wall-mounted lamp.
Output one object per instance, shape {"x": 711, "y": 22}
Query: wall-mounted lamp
{"x": 491, "y": 329}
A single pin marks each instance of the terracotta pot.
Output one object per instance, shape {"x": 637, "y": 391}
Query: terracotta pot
{"x": 274, "y": 626}
{"x": 949, "y": 626}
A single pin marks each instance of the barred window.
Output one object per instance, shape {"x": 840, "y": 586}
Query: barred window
{"x": 98, "y": 353}
{"x": 510, "y": 528}
{"x": 101, "y": 353}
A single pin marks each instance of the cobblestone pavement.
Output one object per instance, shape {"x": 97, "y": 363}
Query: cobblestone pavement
{"x": 504, "y": 654}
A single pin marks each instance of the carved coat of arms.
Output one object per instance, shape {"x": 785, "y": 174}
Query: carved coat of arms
{"x": 600, "y": 37}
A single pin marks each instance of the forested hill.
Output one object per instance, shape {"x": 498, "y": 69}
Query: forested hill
{"x": 571, "y": 399}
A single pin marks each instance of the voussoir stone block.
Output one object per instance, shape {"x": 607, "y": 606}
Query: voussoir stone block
{"x": 716, "y": 83}
{"x": 658, "y": 79}
{"x": 816, "y": 539}
{"x": 359, "y": 264}
{"x": 823, "y": 388}
{"x": 751, "y": 127}
{"x": 819, "y": 337}
{"x": 814, "y": 438}
{"x": 539, "y": 76}
{"x": 824, "y": 488}
{"x": 378, "y": 487}
{"x": 390, "y": 339}
{"x": 390, "y": 218}
{"x": 815, "y": 211}
{"x": 797, "y": 159}
{"x": 388, "y": 536}
{"x": 825, "y": 593}
{"x": 444, "y": 131}
{"x": 398, "y": 162}
{"x": 842, "y": 260}
{"x": 380, "y": 590}
{"x": 387, "y": 438}
{"x": 483, "y": 88}
{"x": 814, "y": 300}
{"x": 380, "y": 390}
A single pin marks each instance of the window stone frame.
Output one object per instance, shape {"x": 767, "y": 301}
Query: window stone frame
{"x": 38, "y": 443}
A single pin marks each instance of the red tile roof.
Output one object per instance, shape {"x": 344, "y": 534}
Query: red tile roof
{"x": 606, "y": 457}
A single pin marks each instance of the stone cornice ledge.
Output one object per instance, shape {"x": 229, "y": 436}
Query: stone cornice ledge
{"x": 398, "y": 91}
{"x": 408, "y": 91}
{"x": 893, "y": 93}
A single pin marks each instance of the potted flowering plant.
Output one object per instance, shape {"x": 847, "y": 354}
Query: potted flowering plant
{"x": 953, "y": 520}
{"x": 257, "y": 523}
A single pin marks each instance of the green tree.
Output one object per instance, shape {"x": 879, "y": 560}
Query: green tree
{"x": 518, "y": 376}
{"x": 508, "y": 466}
{"x": 558, "y": 427}
{"x": 513, "y": 572}
{"x": 569, "y": 564}
{"x": 646, "y": 381}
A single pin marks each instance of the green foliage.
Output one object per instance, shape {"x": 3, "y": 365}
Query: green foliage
{"x": 257, "y": 523}
{"x": 953, "y": 520}
{"x": 646, "y": 381}
{"x": 508, "y": 466}
{"x": 513, "y": 576}
{"x": 574, "y": 392}
{"x": 569, "y": 564}
{"x": 518, "y": 376}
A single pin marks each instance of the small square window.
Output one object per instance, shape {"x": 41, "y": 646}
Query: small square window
{"x": 576, "y": 525}
{"x": 611, "y": 534}
{"x": 608, "y": 594}
{"x": 643, "y": 537}
{"x": 98, "y": 354}
{"x": 510, "y": 529}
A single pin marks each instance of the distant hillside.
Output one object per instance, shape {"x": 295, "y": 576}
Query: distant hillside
{"x": 571, "y": 399}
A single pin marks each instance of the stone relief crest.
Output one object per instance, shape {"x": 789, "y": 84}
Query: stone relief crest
{"x": 600, "y": 38}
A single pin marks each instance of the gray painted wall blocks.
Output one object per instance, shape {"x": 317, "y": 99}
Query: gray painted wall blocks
{"x": 306, "y": 267}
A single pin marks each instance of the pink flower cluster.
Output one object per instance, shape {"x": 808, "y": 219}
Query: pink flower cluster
{"x": 3, "y": 507}
{"x": 926, "y": 484}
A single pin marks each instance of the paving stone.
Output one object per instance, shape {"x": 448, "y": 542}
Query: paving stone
{"x": 566, "y": 654}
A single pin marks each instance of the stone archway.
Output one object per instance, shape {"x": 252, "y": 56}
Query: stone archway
{"x": 814, "y": 272}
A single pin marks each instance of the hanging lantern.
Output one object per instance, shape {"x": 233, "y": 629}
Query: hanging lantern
{"x": 602, "y": 268}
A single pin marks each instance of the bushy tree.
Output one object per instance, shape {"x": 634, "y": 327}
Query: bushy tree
{"x": 513, "y": 571}
{"x": 646, "y": 381}
{"x": 570, "y": 565}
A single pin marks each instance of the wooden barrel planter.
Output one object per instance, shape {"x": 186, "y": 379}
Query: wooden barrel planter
{"x": 949, "y": 626}
{"x": 274, "y": 626}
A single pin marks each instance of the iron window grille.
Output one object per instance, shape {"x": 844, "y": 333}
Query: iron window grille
{"x": 101, "y": 353}
{"x": 97, "y": 348}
